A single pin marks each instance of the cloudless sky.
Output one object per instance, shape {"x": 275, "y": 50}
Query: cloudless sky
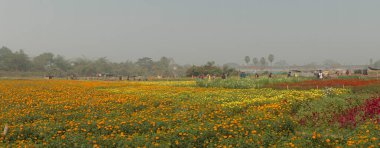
{"x": 195, "y": 31}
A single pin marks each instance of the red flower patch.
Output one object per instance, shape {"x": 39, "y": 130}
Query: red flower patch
{"x": 327, "y": 83}
{"x": 370, "y": 109}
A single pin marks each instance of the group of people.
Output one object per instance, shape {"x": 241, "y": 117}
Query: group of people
{"x": 318, "y": 74}
{"x": 321, "y": 75}
{"x": 347, "y": 72}
{"x": 208, "y": 76}
{"x": 243, "y": 75}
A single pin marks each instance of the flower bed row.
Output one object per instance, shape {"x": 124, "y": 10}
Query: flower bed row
{"x": 326, "y": 83}
{"x": 369, "y": 110}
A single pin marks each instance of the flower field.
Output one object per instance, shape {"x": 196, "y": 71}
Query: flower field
{"x": 62, "y": 113}
{"x": 313, "y": 84}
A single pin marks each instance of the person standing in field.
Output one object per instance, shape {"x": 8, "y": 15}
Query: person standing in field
{"x": 320, "y": 74}
{"x": 243, "y": 75}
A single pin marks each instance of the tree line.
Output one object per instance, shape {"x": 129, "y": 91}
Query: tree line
{"x": 57, "y": 65}
{"x": 210, "y": 69}
{"x": 49, "y": 64}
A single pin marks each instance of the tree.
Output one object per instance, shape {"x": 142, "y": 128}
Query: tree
{"x": 271, "y": 59}
{"x": 5, "y": 58}
{"x": 43, "y": 61}
{"x": 208, "y": 68}
{"x": 102, "y": 65}
{"x": 210, "y": 64}
{"x": 84, "y": 67}
{"x": 255, "y": 61}
{"x": 127, "y": 68}
{"x": 229, "y": 70}
{"x": 145, "y": 64}
{"x": 263, "y": 62}
{"x": 163, "y": 66}
{"x": 247, "y": 59}
{"x": 20, "y": 61}
{"x": 370, "y": 61}
{"x": 61, "y": 63}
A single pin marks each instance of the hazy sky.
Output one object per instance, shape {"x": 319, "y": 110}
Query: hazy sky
{"x": 195, "y": 31}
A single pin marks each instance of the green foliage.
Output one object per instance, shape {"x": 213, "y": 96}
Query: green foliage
{"x": 271, "y": 58}
{"x": 348, "y": 77}
{"x": 263, "y": 61}
{"x": 145, "y": 65}
{"x": 369, "y": 89}
{"x": 247, "y": 59}
{"x": 5, "y": 58}
{"x": 255, "y": 61}
{"x": 58, "y": 66}
{"x": 211, "y": 69}
{"x": 316, "y": 112}
{"x": 14, "y": 61}
{"x": 43, "y": 61}
{"x": 227, "y": 83}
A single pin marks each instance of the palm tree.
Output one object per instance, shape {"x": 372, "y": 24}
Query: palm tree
{"x": 271, "y": 59}
{"x": 255, "y": 61}
{"x": 263, "y": 61}
{"x": 247, "y": 59}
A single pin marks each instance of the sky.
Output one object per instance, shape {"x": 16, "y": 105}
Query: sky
{"x": 195, "y": 31}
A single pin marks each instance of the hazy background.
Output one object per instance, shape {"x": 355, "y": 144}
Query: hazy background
{"x": 195, "y": 31}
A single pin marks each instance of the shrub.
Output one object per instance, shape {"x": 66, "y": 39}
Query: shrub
{"x": 246, "y": 83}
{"x": 227, "y": 83}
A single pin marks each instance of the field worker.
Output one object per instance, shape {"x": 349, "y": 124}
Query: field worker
{"x": 289, "y": 74}
{"x": 242, "y": 75}
{"x": 320, "y": 74}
